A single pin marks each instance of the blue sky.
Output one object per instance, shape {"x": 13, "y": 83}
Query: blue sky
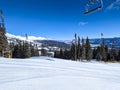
{"x": 60, "y": 19}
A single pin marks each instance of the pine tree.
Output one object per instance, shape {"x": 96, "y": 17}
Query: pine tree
{"x": 106, "y": 49}
{"x": 79, "y": 49}
{"x": 27, "y": 51}
{"x": 75, "y": 46}
{"x": 73, "y": 51}
{"x": 21, "y": 49}
{"x": 56, "y": 54}
{"x": 94, "y": 53}
{"x": 61, "y": 53}
{"x": 43, "y": 52}
{"x": 107, "y": 53}
{"x": 66, "y": 54}
{"x": 118, "y": 56}
{"x": 103, "y": 53}
{"x": 113, "y": 53}
{"x": 108, "y": 57}
{"x": 88, "y": 50}
{"x": 3, "y": 38}
{"x": 16, "y": 51}
{"x": 98, "y": 54}
{"x": 34, "y": 50}
{"x": 83, "y": 50}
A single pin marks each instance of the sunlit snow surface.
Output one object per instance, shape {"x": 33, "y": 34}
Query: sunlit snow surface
{"x": 43, "y": 73}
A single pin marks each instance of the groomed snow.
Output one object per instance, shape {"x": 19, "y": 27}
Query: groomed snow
{"x": 43, "y": 73}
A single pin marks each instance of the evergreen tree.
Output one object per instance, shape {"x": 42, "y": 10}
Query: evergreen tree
{"x": 98, "y": 54}
{"x": 26, "y": 50}
{"x": 73, "y": 51}
{"x": 83, "y": 50}
{"x": 3, "y": 38}
{"x": 61, "y": 53}
{"x": 21, "y": 51}
{"x": 34, "y": 50}
{"x": 57, "y": 54}
{"x": 108, "y": 57}
{"x": 107, "y": 53}
{"x": 94, "y": 53}
{"x": 118, "y": 56}
{"x": 16, "y": 51}
{"x": 106, "y": 49}
{"x": 75, "y": 47}
{"x": 43, "y": 52}
{"x": 66, "y": 54}
{"x": 79, "y": 49}
{"x": 103, "y": 53}
{"x": 88, "y": 49}
{"x": 113, "y": 53}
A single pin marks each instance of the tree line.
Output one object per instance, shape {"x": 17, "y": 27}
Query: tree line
{"x": 81, "y": 49}
{"x": 19, "y": 49}
{"x": 24, "y": 49}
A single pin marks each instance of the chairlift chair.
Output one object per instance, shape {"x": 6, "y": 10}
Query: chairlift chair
{"x": 99, "y": 6}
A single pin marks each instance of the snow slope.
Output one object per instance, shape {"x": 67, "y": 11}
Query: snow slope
{"x": 43, "y": 73}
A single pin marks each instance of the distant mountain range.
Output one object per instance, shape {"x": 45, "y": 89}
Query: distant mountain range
{"x": 38, "y": 40}
{"x": 65, "y": 44}
{"x": 30, "y": 38}
{"x": 115, "y": 42}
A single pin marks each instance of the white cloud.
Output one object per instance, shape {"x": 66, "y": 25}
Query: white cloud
{"x": 114, "y": 5}
{"x": 82, "y": 23}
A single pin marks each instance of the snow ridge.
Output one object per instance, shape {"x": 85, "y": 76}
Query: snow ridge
{"x": 31, "y": 38}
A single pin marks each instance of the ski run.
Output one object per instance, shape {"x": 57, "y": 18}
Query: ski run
{"x": 45, "y": 73}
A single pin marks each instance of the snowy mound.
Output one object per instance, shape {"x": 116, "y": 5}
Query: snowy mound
{"x": 43, "y": 73}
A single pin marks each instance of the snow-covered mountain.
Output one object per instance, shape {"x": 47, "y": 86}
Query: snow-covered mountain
{"x": 38, "y": 40}
{"x": 31, "y": 38}
{"x": 65, "y": 43}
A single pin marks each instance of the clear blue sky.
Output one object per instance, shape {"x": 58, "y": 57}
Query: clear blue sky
{"x": 60, "y": 19}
